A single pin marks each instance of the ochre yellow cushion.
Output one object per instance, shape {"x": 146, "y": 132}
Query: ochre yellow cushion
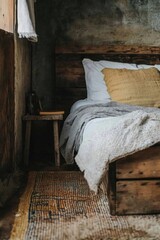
{"x": 136, "y": 87}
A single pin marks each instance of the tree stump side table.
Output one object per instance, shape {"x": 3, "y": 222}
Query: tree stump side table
{"x": 44, "y": 116}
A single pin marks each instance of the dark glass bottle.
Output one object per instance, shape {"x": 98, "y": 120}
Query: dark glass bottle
{"x": 33, "y": 103}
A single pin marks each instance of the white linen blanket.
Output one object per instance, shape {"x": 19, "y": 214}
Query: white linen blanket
{"x": 95, "y": 145}
{"x": 26, "y": 20}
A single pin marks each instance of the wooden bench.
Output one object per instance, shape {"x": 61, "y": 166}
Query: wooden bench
{"x": 45, "y": 116}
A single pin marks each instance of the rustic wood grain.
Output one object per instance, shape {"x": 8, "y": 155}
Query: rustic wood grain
{"x": 69, "y": 73}
{"x": 138, "y": 197}
{"x": 7, "y": 13}
{"x": 65, "y": 97}
{"x": 6, "y": 100}
{"x": 56, "y": 143}
{"x": 111, "y": 189}
{"x": 143, "y": 164}
{"x": 110, "y": 49}
{"x": 54, "y": 118}
{"x": 42, "y": 117}
{"x": 134, "y": 183}
{"x": 22, "y": 85}
{"x": 27, "y": 142}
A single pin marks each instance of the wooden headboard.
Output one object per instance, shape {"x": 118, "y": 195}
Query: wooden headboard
{"x": 69, "y": 74}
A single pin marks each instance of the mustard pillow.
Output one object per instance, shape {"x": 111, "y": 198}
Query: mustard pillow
{"x": 136, "y": 87}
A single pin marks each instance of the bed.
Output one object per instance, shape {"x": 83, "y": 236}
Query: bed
{"x": 126, "y": 172}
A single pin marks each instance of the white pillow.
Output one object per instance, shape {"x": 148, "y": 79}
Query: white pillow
{"x": 145, "y": 66}
{"x": 96, "y": 87}
{"x": 83, "y": 102}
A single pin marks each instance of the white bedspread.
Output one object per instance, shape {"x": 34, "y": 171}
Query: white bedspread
{"x": 107, "y": 139}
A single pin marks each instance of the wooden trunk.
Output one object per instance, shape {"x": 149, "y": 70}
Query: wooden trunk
{"x": 134, "y": 183}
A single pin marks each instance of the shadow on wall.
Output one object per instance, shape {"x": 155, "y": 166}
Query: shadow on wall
{"x": 106, "y": 21}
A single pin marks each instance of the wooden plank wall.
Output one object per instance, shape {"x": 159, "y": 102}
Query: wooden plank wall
{"x": 6, "y": 100}
{"x": 69, "y": 73}
{"x": 70, "y": 83}
{"x": 7, "y": 8}
{"x": 22, "y": 85}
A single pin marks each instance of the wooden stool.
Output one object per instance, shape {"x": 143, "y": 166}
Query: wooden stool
{"x": 44, "y": 116}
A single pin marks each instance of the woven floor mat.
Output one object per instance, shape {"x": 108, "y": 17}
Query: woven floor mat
{"x": 59, "y": 205}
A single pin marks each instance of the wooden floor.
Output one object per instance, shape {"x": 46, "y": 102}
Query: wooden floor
{"x": 7, "y": 214}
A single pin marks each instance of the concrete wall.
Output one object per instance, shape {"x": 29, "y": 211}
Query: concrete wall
{"x": 43, "y": 63}
{"x": 135, "y": 22}
{"x": 107, "y": 21}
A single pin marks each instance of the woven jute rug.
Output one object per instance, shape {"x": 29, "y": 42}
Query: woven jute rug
{"x": 59, "y": 205}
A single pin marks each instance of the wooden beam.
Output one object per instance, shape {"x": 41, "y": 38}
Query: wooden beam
{"x": 7, "y": 12}
{"x": 110, "y": 49}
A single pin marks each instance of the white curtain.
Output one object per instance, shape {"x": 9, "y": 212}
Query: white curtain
{"x": 26, "y": 20}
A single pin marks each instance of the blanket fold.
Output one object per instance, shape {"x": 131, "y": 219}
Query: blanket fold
{"x": 94, "y": 145}
{"x": 26, "y": 20}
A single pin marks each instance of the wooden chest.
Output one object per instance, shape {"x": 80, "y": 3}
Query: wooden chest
{"x": 134, "y": 183}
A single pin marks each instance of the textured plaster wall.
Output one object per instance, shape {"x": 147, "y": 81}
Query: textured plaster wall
{"x": 94, "y": 22}
{"x": 42, "y": 57}
{"x": 107, "y": 21}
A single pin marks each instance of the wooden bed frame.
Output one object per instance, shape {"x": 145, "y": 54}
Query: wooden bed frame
{"x": 134, "y": 182}
{"x": 69, "y": 74}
